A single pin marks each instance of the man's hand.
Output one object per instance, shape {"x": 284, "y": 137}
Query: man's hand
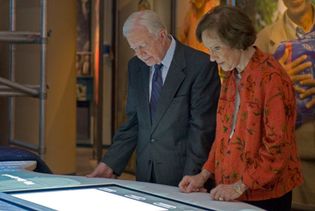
{"x": 293, "y": 68}
{"x": 309, "y": 92}
{"x": 102, "y": 170}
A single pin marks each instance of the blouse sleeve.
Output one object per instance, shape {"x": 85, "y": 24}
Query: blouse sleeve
{"x": 210, "y": 163}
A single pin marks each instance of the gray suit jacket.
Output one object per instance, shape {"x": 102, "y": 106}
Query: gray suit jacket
{"x": 178, "y": 141}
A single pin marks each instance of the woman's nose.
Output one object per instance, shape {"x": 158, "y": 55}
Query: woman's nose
{"x": 212, "y": 57}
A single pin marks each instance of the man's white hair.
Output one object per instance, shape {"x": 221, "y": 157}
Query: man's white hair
{"x": 147, "y": 18}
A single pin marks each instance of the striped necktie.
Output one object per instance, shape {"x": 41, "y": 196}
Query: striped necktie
{"x": 157, "y": 83}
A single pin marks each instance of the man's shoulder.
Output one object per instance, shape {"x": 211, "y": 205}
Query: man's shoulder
{"x": 267, "y": 30}
{"x": 135, "y": 65}
{"x": 273, "y": 27}
{"x": 191, "y": 53}
{"x": 190, "y": 49}
{"x": 270, "y": 36}
{"x": 134, "y": 60}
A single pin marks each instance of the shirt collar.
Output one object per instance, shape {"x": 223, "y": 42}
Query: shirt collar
{"x": 169, "y": 54}
{"x": 290, "y": 25}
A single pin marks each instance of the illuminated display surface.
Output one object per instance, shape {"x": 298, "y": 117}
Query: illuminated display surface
{"x": 106, "y": 197}
{"x": 22, "y": 190}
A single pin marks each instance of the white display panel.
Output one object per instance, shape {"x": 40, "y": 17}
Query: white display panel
{"x": 86, "y": 199}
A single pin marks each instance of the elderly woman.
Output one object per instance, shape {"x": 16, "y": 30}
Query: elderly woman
{"x": 254, "y": 156}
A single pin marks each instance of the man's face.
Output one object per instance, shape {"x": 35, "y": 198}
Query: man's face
{"x": 297, "y": 6}
{"x": 148, "y": 47}
{"x": 198, "y": 3}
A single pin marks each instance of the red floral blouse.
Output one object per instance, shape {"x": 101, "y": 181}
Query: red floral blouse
{"x": 262, "y": 151}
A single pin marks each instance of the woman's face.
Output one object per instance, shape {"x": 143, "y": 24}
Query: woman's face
{"x": 226, "y": 57}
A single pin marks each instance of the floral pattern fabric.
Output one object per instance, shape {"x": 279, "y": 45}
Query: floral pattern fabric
{"x": 262, "y": 150}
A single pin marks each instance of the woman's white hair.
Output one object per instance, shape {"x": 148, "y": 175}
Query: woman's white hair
{"x": 147, "y": 18}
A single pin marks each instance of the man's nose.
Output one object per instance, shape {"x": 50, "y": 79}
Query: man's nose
{"x": 139, "y": 52}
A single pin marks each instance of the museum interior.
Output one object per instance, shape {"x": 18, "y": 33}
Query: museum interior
{"x": 64, "y": 77}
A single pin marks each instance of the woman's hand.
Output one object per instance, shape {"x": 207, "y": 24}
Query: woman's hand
{"x": 194, "y": 183}
{"x": 228, "y": 192}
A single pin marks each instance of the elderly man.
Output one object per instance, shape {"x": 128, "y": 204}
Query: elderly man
{"x": 171, "y": 107}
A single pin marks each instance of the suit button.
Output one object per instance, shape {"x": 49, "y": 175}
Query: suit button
{"x": 152, "y": 140}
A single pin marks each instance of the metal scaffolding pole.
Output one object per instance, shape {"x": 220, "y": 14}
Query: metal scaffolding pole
{"x": 11, "y": 102}
{"x": 10, "y": 88}
{"x": 42, "y": 93}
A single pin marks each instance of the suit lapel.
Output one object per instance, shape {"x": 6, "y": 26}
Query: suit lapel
{"x": 174, "y": 79}
{"x": 277, "y": 35}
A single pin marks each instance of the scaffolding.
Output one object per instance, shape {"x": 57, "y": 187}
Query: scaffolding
{"x": 11, "y": 89}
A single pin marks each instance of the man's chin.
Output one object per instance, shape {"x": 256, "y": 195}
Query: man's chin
{"x": 149, "y": 63}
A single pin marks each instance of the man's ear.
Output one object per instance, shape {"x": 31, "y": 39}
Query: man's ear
{"x": 163, "y": 33}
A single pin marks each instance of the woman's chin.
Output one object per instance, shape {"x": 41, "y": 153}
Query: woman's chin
{"x": 225, "y": 69}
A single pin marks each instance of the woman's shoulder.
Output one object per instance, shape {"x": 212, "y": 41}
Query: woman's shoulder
{"x": 264, "y": 65}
